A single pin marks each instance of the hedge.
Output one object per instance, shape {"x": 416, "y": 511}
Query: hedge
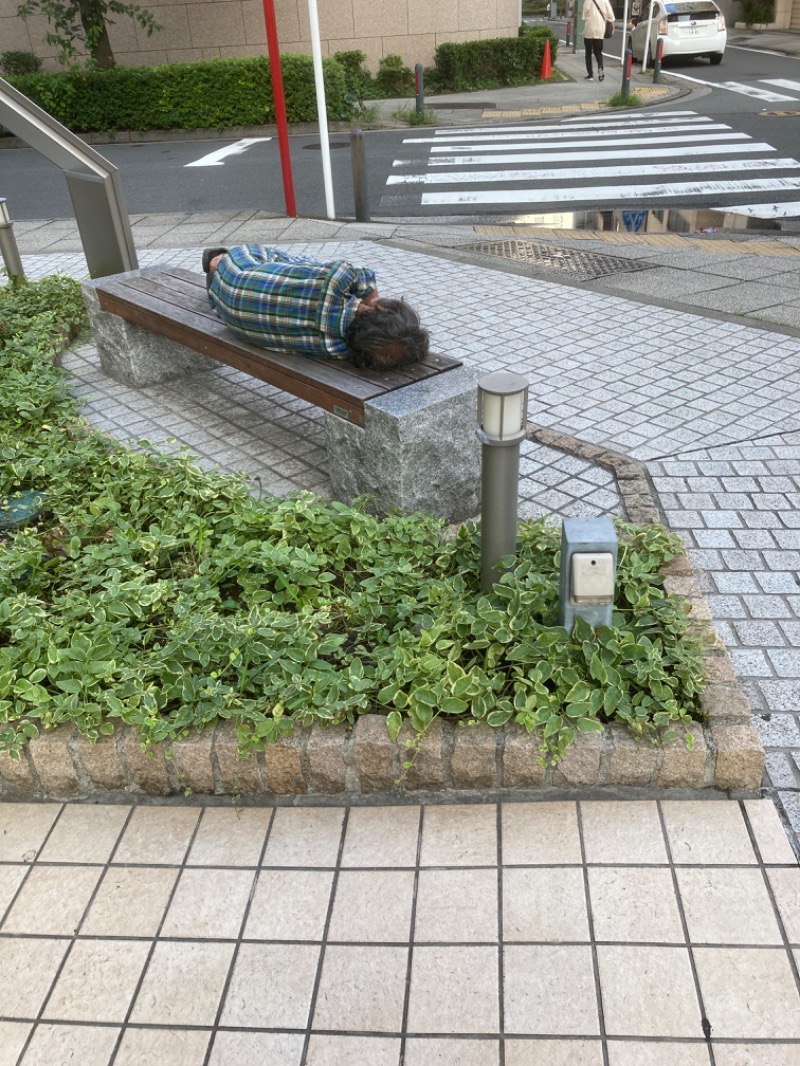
{"x": 498, "y": 61}
{"x": 213, "y": 94}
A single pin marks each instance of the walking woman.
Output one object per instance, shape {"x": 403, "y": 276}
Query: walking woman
{"x": 595, "y": 15}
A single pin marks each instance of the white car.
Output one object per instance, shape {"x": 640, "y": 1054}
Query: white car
{"x": 687, "y": 28}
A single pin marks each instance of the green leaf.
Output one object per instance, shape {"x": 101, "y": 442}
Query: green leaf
{"x": 394, "y": 723}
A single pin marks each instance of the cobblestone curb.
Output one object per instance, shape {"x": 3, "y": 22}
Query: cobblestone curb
{"x": 726, "y": 757}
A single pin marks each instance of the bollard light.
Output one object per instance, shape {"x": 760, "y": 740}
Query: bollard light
{"x": 588, "y": 571}
{"x": 8, "y": 245}
{"x": 502, "y": 421}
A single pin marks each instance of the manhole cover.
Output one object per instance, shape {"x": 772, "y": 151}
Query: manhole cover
{"x": 316, "y": 147}
{"x": 579, "y": 264}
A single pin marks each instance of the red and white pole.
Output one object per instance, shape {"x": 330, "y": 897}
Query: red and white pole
{"x": 280, "y": 106}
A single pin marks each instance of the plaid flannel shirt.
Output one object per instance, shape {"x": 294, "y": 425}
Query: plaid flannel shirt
{"x": 293, "y": 302}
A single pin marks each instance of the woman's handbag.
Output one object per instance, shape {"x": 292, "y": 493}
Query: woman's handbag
{"x": 610, "y": 26}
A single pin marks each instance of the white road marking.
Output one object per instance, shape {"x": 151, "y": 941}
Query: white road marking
{"x": 555, "y": 134}
{"x": 735, "y": 87}
{"x": 782, "y": 83}
{"x": 581, "y": 156}
{"x": 526, "y": 146}
{"x": 216, "y": 159}
{"x": 600, "y": 121}
{"x": 784, "y": 210}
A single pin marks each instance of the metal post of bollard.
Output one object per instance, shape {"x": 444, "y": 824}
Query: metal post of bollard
{"x": 360, "y": 188}
{"x": 420, "y": 88}
{"x": 657, "y": 62}
{"x": 626, "y": 73}
{"x": 8, "y": 245}
{"x": 569, "y": 32}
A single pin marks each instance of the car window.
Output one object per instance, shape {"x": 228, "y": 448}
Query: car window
{"x": 693, "y": 8}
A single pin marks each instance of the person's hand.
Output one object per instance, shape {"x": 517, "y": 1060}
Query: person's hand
{"x": 369, "y": 301}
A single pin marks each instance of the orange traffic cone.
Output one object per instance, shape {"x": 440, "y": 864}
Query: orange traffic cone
{"x": 547, "y": 66}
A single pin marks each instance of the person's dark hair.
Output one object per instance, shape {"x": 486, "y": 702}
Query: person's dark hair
{"x": 387, "y": 337}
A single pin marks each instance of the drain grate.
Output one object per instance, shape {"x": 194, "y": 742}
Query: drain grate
{"x": 579, "y": 264}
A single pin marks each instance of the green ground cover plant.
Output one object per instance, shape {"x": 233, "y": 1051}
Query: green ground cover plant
{"x": 151, "y": 593}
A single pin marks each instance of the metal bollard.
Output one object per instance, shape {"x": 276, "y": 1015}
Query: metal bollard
{"x": 626, "y": 73}
{"x": 420, "y": 88}
{"x": 8, "y": 245}
{"x": 360, "y": 188}
{"x": 569, "y": 33}
{"x": 657, "y": 62}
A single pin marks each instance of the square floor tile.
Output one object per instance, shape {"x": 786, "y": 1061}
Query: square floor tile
{"x": 420, "y": 1052}
{"x": 454, "y": 990}
{"x": 157, "y": 836}
{"x": 209, "y": 903}
{"x": 727, "y": 906}
{"x": 85, "y": 833}
{"x": 362, "y": 989}
{"x": 162, "y": 1047}
{"x": 459, "y": 835}
{"x": 620, "y": 832}
{"x": 256, "y": 1049}
{"x": 23, "y": 829}
{"x": 749, "y": 993}
{"x": 227, "y": 837}
{"x": 130, "y": 901}
{"x": 183, "y": 984}
{"x": 757, "y": 1054}
{"x": 550, "y": 989}
{"x": 38, "y": 960}
{"x": 638, "y": 1053}
{"x": 12, "y": 1040}
{"x": 62, "y": 1045}
{"x": 373, "y": 906}
{"x": 545, "y": 903}
{"x": 554, "y": 1053}
{"x": 648, "y": 991}
{"x": 381, "y": 836}
{"x": 707, "y": 832}
{"x": 10, "y": 880}
{"x": 349, "y": 1050}
{"x": 304, "y": 836}
{"x": 289, "y": 905}
{"x": 785, "y": 884}
{"x": 769, "y": 832}
{"x": 634, "y": 903}
{"x": 271, "y": 986}
{"x": 446, "y": 897}
{"x": 540, "y": 834}
{"x": 98, "y": 981}
{"x": 44, "y": 907}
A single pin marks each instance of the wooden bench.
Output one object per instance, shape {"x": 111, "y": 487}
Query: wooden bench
{"x": 174, "y": 304}
{"x": 405, "y": 437}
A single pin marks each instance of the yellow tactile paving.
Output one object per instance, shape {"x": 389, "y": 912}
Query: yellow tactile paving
{"x": 648, "y": 93}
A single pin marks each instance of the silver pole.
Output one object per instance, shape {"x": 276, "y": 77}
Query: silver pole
{"x": 8, "y": 244}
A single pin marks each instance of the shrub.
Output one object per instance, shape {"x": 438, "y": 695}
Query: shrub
{"x": 496, "y": 62}
{"x": 357, "y": 77}
{"x": 758, "y": 12}
{"x": 19, "y": 63}
{"x": 394, "y": 78}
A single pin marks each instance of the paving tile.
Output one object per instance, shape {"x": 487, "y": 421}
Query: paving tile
{"x": 553, "y": 1053}
{"x": 549, "y": 989}
{"x": 548, "y": 903}
{"x": 227, "y": 837}
{"x": 304, "y": 836}
{"x": 648, "y": 991}
{"x": 727, "y": 906}
{"x": 39, "y": 960}
{"x": 757, "y": 1054}
{"x": 157, "y": 835}
{"x": 12, "y": 1040}
{"x": 707, "y": 831}
{"x": 63, "y": 1045}
{"x": 98, "y": 981}
{"x": 209, "y": 903}
{"x": 11, "y": 878}
{"x": 289, "y": 905}
{"x": 162, "y": 1047}
{"x": 769, "y": 832}
{"x": 785, "y": 884}
{"x": 257, "y": 1049}
{"x": 420, "y": 1052}
{"x": 622, "y": 832}
{"x": 23, "y": 829}
{"x": 130, "y": 901}
{"x": 635, "y": 904}
{"x": 459, "y": 836}
{"x": 362, "y": 989}
{"x": 381, "y": 836}
{"x": 324, "y": 1050}
{"x": 271, "y": 986}
{"x": 371, "y": 906}
{"x": 183, "y": 984}
{"x": 436, "y": 972}
{"x": 639, "y": 1053}
{"x": 444, "y": 897}
{"x": 540, "y": 834}
{"x": 85, "y": 833}
{"x": 43, "y": 906}
{"x": 749, "y": 993}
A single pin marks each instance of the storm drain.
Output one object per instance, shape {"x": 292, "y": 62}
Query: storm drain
{"x": 583, "y": 266}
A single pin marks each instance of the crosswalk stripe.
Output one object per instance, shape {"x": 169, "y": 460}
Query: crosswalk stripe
{"x": 598, "y": 121}
{"x": 594, "y": 193}
{"x": 754, "y": 91}
{"x": 549, "y": 144}
{"x": 714, "y": 166}
{"x": 785, "y": 210}
{"x": 634, "y": 116}
{"x": 782, "y": 83}
{"x": 525, "y": 134}
{"x": 583, "y": 156}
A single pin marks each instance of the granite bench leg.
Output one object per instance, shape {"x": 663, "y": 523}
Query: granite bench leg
{"x": 417, "y": 450}
{"x": 132, "y": 354}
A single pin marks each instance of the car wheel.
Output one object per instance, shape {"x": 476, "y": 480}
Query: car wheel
{"x": 716, "y": 59}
